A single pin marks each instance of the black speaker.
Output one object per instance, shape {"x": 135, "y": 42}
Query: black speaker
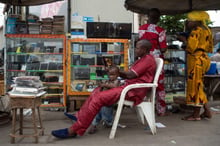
{"x": 96, "y": 29}
{"x": 108, "y": 30}
{"x": 99, "y": 30}
{"x": 123, "y": 30}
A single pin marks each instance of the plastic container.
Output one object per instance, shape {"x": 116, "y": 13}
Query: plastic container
{"x": 11, "y": 25}
{"x": 11, "y": 20}
{"x": 11, "y": 28}
{"x": 213, "y": 69}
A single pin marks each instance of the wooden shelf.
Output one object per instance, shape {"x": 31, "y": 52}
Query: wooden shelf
{"x": 52, "y": 105}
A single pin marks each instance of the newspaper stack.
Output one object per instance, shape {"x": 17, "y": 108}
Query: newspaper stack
{"x": 46, "y": 26}
{"x": 27, "y": 85}
{"x": 58, "y": 24}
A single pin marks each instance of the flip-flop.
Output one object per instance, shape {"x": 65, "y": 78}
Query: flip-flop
{"x": 204, "y": 115}
{"x": 191, "y": 118}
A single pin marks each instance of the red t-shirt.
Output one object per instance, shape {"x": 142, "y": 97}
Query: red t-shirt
{"x": 156, "y": 35}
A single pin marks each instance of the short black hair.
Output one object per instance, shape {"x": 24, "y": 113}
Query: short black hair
{"x": 154, "y": 15}
{"x": 155, "y": 12}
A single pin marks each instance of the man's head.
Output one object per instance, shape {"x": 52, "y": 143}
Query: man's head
{"x": 154, "y": 15}
{"x": 142, "y": 48}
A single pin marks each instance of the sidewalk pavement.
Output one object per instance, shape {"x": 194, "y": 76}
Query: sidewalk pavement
{"x": 176, "y": 132}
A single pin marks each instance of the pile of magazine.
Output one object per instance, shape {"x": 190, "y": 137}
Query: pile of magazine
{"x": 27, "y": 85}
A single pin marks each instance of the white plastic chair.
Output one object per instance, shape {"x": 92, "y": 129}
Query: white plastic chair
{"x": 146, "y": 109}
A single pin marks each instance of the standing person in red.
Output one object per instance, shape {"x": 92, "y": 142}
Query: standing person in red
{"x": 142, "y": 71}
{"x": 157, "y": 36}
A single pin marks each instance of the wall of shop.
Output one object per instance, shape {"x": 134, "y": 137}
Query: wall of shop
{"x": 97, "y": 10}
{"x": 51, "y": 9}
{"x": 102, "y": 10}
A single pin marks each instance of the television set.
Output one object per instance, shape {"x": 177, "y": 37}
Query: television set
{"x": 82, "y": 73}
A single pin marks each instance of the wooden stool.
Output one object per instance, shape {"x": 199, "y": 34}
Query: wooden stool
{"x": 73, "y": 100}
{"x": 19, "y": 102}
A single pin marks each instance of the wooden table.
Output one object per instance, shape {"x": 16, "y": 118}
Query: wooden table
{"x": 211, "y": 84}
{"x": 25, "y": 101}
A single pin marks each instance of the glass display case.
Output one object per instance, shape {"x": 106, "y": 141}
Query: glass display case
{"x": 38, "y": 55}
{"x": 86, "y": 62}
{"x": 175, "y": 72}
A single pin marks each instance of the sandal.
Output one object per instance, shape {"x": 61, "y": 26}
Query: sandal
{"x": 191, "y": 118}
{"x": 205, "y": 115}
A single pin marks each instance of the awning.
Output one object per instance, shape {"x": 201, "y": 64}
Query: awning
{"x": 169, "y": 7}
{"x": 27, "y": 2}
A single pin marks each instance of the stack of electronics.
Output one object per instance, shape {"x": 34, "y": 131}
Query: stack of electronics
{"x": 46, "y": 26}
{"x": 58, "y": 24}
{"x": 27, "y": 85}
{"x": 33, "y": 24}
{"x": 108, "y": 30}
{"x": 34, "y": 28}
{"x": 21, "y": 27}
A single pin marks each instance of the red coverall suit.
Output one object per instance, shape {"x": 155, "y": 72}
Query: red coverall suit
{"x": 144, "y": 68}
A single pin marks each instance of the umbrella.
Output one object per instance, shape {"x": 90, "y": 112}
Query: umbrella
{"x": 170, "y": 7}
{"x": 27, "y": 2}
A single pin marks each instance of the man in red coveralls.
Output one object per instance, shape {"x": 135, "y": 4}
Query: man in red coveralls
{"x": 142, "y": 71}
{"x": 157, "y": 36}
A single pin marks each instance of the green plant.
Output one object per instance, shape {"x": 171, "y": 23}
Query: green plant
{"x": 173, "y": 24}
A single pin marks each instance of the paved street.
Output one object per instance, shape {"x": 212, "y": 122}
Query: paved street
{"x": 176, "y": 132}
